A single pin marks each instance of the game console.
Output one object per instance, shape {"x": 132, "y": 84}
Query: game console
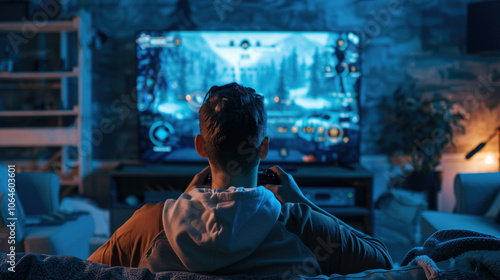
{"x": 330, "y": 196}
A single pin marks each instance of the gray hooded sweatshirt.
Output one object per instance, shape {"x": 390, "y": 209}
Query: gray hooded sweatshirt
{"x": 240, "y": 231}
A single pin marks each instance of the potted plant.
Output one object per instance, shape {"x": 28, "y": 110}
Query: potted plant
{"x": 417, "y": 129}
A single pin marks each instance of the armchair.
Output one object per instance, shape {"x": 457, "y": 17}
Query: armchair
{"x": 41, "y": 227}
{"x": 474, "y": 194}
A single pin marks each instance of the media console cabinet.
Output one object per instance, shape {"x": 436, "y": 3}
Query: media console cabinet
{"x": 344, "y": 192}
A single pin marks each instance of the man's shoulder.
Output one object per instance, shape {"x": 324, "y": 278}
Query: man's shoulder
{"x": 150, "y": 208}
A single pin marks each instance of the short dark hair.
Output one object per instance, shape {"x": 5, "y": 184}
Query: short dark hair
{"x": 233, "y": 123}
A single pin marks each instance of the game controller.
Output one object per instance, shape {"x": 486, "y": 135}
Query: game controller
{"x": 267, "y": 177}
{"x": 263, "y": 178}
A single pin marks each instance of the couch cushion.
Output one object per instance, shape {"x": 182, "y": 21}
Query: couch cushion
{"x": 433, "y": 221}
{"x": 39, "y": 193}
{"x": 70, "y": 238}
{"x": 398, "y": 220}
{"x": 475, "y": 192}
{"x": 494, "y": 208}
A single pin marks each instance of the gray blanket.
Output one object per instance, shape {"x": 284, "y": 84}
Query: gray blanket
{"x": 36, "y": 266}
{"x": 446, "y": 244}
{"x": 469, "y": 249}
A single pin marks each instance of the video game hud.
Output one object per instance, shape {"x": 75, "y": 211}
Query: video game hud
{"x": 310, "y": 82}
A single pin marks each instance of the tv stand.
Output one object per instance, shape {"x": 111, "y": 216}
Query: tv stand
{"x": 132, "y": 186}
{"x": 346, "y": 166}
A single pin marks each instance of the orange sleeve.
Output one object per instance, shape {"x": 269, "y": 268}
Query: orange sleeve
{"x": 132, "y": 239}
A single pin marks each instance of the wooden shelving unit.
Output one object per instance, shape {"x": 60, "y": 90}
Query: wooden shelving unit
{"x": 39, "y": 137}
{"x": 40, "y": 75}
{"x": 57, "y": 136}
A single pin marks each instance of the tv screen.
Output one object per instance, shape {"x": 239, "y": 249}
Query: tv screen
{"x": 310, "y": 82}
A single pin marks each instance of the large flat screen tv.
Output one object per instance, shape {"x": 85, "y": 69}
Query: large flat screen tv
{"x": 310, "y": 82}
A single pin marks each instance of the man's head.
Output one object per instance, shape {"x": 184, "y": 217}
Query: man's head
{"x": 233, "y": 124}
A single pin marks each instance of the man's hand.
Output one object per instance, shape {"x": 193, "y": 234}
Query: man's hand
{"x": 199, "y": 180}
{"x": 287, "y": 191}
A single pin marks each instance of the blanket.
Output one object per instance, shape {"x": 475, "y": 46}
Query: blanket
{"x": 446, "y": 244}
{"x": 473, "y": 265}
{"x": 37, "y": 266}
{"x": 472, "y": 256}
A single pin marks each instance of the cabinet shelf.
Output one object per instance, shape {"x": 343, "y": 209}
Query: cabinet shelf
{"x": 40, "y": 113}
{"x": 32, "y": 86}
{"x": 44, "y": 26}
{"x": 39, "y": 75}
{"x": 39, "y": 137}
{"x": 347, "y": 211}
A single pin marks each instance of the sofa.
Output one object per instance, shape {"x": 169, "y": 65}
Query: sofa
{"x": 40, "y": 225}
{"x": 475, "y": 194}
{"x": 445, "y": 255}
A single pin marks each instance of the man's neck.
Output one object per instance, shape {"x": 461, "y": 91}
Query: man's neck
{"x": 223, "y": 180}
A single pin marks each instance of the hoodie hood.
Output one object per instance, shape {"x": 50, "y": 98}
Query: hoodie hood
{"x": 205, "y": 234}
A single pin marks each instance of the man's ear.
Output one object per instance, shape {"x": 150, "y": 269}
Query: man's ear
{"x": 200, "y": 148}
{"x": 264, "y": 148}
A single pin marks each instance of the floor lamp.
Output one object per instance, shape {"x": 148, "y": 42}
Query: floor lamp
{"x": 483, "y": 38}
{"x": 482, "y": 144}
